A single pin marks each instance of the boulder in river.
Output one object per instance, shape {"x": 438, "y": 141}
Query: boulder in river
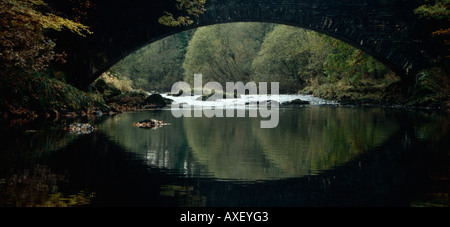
{"x": 156, "y": 99}
{"x": 81, "y": 128}
{"x": 221, "y": 95}
{"x": 268, "y": 102}
{"x": 152, "y": 123}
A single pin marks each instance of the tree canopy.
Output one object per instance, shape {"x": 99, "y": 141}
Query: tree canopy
{"x": 157, "y": 66}
{"x": 224, "y": 52}
{"x": 290, "y": 56}
{"x": 23, "y": 25}
{"x": 259, "y": 52}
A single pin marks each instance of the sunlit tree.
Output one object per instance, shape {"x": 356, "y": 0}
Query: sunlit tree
{"x": 23, "y": 40}
{"x": 290, "y": 56}
{"x": 224, "y": 52}
{"x": 156, "y": 67}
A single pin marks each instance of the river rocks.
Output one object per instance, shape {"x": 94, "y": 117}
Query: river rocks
{"x": 206, "y": 97}
{"x": 152, "y": 123}
{"x": 295, "y": 102}
{"x": 156, "y": 100}
{"x": 209, "y": 97}
{"x": 180, "y": 92}
{"x": 80, "y": 128}
{"x": 269, "y": 102}
{"x": 220, "y": 95}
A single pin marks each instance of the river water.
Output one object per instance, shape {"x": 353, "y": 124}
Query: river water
{"x": 318, "y": 155}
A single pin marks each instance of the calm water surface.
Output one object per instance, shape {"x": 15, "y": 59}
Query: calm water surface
{"x": 319, "y": 155}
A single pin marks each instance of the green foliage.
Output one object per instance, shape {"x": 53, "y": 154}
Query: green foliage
{"x": 440, "y": 9}
{"x": 431, "y": 88}
{"x": 280, "y": 57}
{"x": 351, "y": 64}
{"x": 224, "y": 52}
{"x": 157, "y": 66}
{"x": 190, "y": 7}
{"x": 248, "y": 52}
{"x": 29, "y": 87}
{"x": 296, "y": 57}
{"x": 432, "y": 85}
{"x": 289, "y": 56}
{"x": 107, "y": 79}
{"x": 23, "y": 43}
{"x": 37, "y": 95}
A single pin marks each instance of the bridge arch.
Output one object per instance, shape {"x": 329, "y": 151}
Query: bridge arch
{"x": 386, "y": 29}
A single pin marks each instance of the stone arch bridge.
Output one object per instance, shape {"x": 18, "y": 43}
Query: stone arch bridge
{"x": 386, "y": 29}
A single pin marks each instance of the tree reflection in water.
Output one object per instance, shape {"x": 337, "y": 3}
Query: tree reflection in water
{"x": 320, "y": 156}
{"x": 307, "y": 141}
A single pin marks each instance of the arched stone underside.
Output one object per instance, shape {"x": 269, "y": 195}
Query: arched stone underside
{"x": 386, "y": 29}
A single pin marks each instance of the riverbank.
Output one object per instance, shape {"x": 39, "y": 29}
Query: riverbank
{"x": 34, "y": 97}
{"x": 42, "y": 96}
{"x": 48, "y": 96}
{"x": 429, "y": 92}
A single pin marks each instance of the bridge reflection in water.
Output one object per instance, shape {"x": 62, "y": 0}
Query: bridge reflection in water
{"x": 317, "y": 156}
{"x": 307, "y": 141}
